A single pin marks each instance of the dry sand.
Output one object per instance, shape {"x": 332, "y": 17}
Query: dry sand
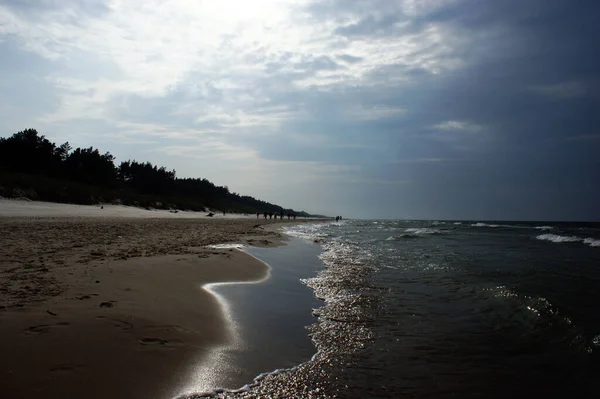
{"x": 114, "y": 307}
{"x": 28, "y": 208}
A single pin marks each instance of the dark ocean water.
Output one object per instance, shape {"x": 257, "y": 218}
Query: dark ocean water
{"x": 423, "y": 309}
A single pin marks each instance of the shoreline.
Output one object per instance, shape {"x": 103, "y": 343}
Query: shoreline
{"x": 271, "y": 322}
{"x": 87, "y": 305}
{"x": 203, "y": 376}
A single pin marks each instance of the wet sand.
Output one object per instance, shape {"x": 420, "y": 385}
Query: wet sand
{"x": 114, "y": 307}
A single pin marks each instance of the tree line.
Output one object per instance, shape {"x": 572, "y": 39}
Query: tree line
{"x": 34, "y": 167}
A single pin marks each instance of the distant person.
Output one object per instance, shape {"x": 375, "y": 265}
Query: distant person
{"x": 337, "y": 218}
{"x": 257, "y": 214}
{"x": 265, "y": 214}
{"x": 271, "y": 215}
{"x": 294, "y": 216}
{"x": 223, "y": 213}
{"x": 289, "y": 216}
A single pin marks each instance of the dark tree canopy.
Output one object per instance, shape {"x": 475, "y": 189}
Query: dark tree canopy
{"x": 32, "y": 165}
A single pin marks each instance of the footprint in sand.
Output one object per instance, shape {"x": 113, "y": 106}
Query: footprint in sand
{"x": 108, "y": 304}
{"x": 44, "y": 328}
{"x": 65, "y": 368}
{"x": 160, "y": 342}
{"x": 153, "y": 341}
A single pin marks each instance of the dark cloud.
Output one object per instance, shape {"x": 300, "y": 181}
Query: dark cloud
{"x": 369, "y": 26}
{"x": 529, "y": 78}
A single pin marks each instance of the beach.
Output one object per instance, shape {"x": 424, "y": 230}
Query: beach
{"x": 115, "y": 306}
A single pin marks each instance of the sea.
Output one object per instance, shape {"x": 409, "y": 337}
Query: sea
{"x": 426, "y": 309}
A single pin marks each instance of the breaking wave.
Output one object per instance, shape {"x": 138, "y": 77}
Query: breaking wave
{"x": 402, "y": 237}
{"x": 423, "y": 231}
{"x": 485, "y": 225}
{"x": 510, "y": 226}
{"x": 592, "y": 242}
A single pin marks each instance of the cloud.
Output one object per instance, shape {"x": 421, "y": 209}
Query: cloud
{"x": 327, "y": 94}
{"x": 458, "y": 126}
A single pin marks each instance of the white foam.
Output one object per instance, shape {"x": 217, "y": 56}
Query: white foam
{"x": 484, "y": 225}
{"x": 592, "y": 242}
{"x": 544, "y": 227}
{"x": 423, "y": 231}
{"x": 226, "y": 246}
{"x": 307, "y": 231}
{"x": 558, "y": 239}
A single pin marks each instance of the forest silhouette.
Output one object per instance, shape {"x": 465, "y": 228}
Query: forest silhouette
{"x": 31, "y": 166}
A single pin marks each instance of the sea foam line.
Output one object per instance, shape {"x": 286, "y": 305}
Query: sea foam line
{"x": 592, "y": 242}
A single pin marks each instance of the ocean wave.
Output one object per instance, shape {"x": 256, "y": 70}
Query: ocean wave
{"x": 557, "y": 238}
{"x": 308, "y": 231}
{"x": 423, "y": 231}
{"x": 592, "y": 242}
{"x": 402, "y": 236}
{"x": 542, "y": 314}
{"x": 457, "y": 223}
{"x": 511, "y": 226}
{"x": 486, "y": 225}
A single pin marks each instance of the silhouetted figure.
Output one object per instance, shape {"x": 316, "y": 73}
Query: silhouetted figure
{"x": 271, "y": 215}
{"x": 337, "y": 218}
{"x": 294, "y": 216}
{"x": 257, "y": 214}
{"x": 265, "y": 214}
{"x": 223, "y": 213}
{"x": 289, "y": 216}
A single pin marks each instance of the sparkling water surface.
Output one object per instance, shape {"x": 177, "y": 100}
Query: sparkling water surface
{"x": 450, "y": 309}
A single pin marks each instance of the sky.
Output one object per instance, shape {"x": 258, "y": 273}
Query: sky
{"x": 411, "y": 109}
